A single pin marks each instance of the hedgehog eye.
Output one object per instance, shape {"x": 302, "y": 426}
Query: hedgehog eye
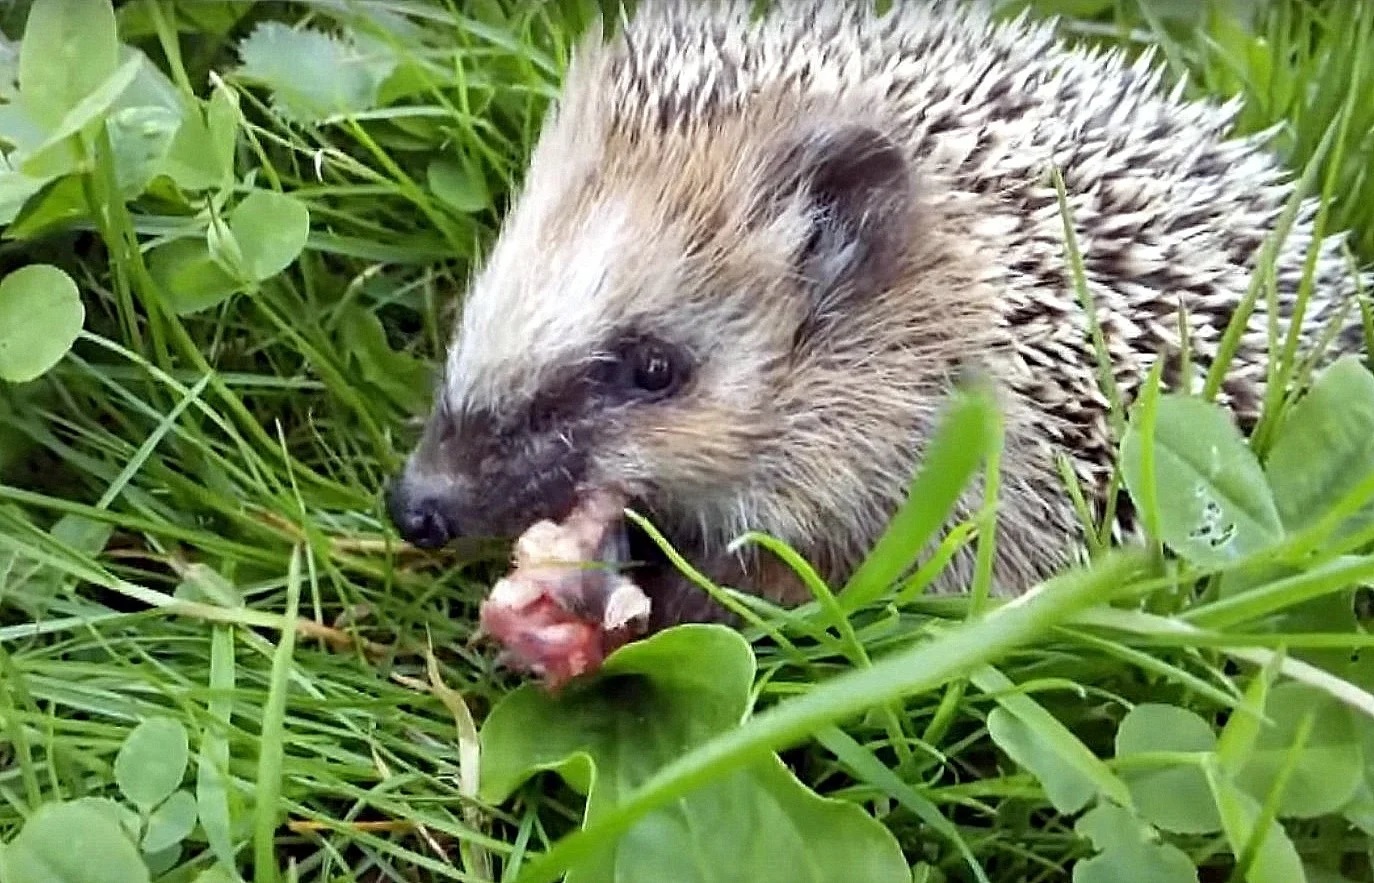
{"x": 641, "y": 367}
{"x": 654, "y": 370}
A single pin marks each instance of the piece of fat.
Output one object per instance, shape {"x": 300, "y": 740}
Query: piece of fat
{"x": 555, "y": 616}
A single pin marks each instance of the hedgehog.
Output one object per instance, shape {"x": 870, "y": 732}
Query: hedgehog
{"x": 753, "y": 255}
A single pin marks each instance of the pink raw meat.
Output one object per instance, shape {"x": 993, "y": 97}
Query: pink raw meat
{"x": 557, "y": 613}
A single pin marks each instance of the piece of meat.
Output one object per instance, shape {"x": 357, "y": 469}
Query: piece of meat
{"x": 559, "y": 613}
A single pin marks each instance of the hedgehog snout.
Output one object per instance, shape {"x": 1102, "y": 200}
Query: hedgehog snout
{"x": 487, "y": 482}
{"x": 424, "y": 512}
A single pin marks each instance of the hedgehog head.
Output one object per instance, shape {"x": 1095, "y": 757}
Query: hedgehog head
{"x": 688, "y": 303}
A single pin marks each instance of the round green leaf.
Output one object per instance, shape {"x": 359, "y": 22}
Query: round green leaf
{"x": 41, "y": 316}
{"x": 42, "y": 584}
{"x": 76, "y": 842}
{"x": 456, "y": 186}
{"x": 1065, "y": 786}
{"x": 1176, "y": 798}
{"x": 314, "y": 74}
{"x": 656, "y": 699}
{"x": 151, "y": 87}
{"x": 57, "y": 206}
{"x": 140, "y": 138}
{"x": 1329, "y": 764}
{"x": 69, "y": 48}
{"x": 160, "y": 863}
{"x": 118, "y": 813}
{"x": 1316, "y": 874}
{"x": 189, "y": 277}
{"x": 152, "y": 761}
{"x": 222, "y": 128}
{"x": 1128, "y": 851}
{"x": 404, "y": 378}
{"x": 16, "y": 188}
{"x": 1360, "y": 810}
{"x": 56, "y": 152}
{"x": 1276, "y": 859}
{"x": 1214, "y": 502}
{"x": 201, "y": 155}
{"x": 271, "y": 230}
{"x": 1335, "y": 417}
{"x": 170, "y": 823}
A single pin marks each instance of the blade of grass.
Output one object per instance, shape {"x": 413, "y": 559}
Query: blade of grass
{"x": 955, "y": 451}
{"x": 267, "y": 786}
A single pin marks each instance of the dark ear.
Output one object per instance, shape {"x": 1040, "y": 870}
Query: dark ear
{"x": 855, "y": 186}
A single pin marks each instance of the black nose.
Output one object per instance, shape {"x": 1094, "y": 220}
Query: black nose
{"x": 421, "y": 519}
{"x": 426, "y": 526}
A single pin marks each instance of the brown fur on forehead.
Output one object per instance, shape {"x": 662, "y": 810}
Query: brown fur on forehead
{"x": 646, "y": 195}
{"x": 623, "y": 232}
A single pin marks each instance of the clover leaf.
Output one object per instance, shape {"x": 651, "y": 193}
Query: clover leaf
{"x": 654, "y": 700}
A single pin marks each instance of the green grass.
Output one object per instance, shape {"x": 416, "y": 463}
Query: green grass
{"x": 182, "y": 480}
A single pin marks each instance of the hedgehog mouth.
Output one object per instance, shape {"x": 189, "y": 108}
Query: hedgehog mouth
{"x": 628, "y": 548}
{"x": 646, "y": 561}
